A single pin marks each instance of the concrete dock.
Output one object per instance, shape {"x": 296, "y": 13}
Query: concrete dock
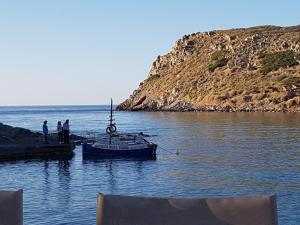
{"x": 19, "y": 143}
{"x": 27, "y": 151}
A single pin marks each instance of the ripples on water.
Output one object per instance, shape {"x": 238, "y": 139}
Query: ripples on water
{"x": 220, "y": 154}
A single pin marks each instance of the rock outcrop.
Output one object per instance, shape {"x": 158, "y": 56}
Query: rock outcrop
{"x": 253, "y": 69}
{"x": 19, "y": 136}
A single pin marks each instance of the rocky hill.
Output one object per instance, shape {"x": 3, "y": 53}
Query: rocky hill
{"x": 252, "y": 69}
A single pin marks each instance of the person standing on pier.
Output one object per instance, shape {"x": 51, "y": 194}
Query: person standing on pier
{"x": 45, "y": 132}
{"x": 66, "y": 131}
{"x": 59, "y": 132}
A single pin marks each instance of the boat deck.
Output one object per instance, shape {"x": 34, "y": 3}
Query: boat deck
{"x": 120, "y": 143}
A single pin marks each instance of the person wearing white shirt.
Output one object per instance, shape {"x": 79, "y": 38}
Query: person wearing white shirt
{"x": 66, "y": 131}
{"x": 59, "y": 132}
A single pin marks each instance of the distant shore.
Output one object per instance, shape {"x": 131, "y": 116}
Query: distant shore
{"x": 190, "y": 108}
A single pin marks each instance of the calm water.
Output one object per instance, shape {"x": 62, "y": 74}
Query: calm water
{"x": 221, "y": 154}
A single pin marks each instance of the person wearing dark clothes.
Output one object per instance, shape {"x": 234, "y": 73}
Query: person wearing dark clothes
{"x": 66, "y": 131}
{"x": 45, "y": 132}
{"x": 59, "y": 132}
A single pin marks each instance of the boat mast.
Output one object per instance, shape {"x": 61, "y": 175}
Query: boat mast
{"x": 111, "y": 128}
{"x": 110, "y": 119}
{"x": 111, "y": 112}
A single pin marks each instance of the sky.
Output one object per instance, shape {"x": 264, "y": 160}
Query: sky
{"x": 82, "y": 52}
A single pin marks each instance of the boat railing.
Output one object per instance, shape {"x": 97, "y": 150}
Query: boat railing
{"x": 120, "y": 146}
{"x": 119, "y": 141}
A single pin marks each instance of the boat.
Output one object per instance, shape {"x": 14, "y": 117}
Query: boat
{"x": 115, "y": 144}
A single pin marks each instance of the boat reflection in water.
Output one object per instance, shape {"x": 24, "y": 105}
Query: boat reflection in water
{"x": 119, "y": 144}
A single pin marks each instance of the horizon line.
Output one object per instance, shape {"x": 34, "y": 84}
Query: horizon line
{"x": 55, "y": 105}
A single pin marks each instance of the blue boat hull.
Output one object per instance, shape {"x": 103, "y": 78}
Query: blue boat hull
{"x": 89, "y": 151}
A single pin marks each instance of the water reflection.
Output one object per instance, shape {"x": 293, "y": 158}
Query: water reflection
{"x": 46, "y": 186}
{"x": 64, "y": 177}
{"x": 111, "y": 177}
{"x": 220, "y": 154}
{"x": 115, "y": 172}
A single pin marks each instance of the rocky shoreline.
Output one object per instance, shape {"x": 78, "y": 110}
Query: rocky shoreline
{"x": 19, "y": 136}
{"x": 18, "y": 143}
{"x": 239, "y": 70}
{"x": 187, "y": 108}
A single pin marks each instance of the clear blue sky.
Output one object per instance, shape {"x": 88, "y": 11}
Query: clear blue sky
{"x": 84, "y": 51}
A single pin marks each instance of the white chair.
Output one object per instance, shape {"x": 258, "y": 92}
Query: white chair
{"x": 126, "y": 210}
{"x": 11, "y": 207}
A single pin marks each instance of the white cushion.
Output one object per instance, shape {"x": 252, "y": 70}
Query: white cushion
{"x": 126, "y": 210}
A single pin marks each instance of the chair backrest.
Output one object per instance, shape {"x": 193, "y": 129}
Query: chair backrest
{"x": 11, "y": 207}
{"x": 126, "y": 210}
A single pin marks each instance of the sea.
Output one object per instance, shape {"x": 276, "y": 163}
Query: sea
{"x": 200, "y": 154}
